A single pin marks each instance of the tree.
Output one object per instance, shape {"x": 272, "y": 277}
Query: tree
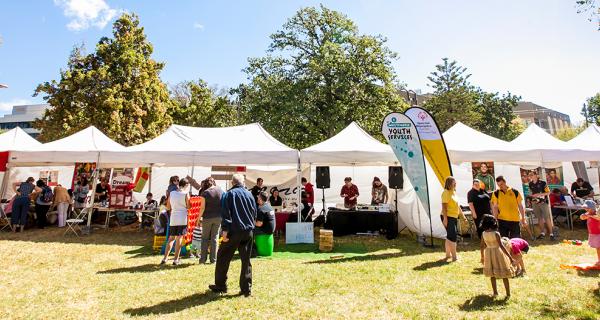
{"x": 116, "y": 88}
{"x": 200, "y": 106}
{"x": 319, "y": 75}
{"x": 591, "y": 109}
{"x": 568, "y": 133}
{"x": 455, "y": 99}
{"x": 590, "y": 7}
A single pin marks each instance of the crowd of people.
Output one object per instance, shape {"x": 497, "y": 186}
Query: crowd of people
{"x": 499, "y": 215}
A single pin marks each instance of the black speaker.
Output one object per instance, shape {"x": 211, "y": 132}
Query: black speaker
{"x": 323, "y": 181}
{"x": 395, "y": 178}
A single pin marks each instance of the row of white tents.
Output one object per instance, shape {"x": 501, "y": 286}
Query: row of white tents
{"x": 352, "y": 151}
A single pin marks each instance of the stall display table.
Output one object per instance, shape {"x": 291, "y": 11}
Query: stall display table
{"x": 345, "y": 222}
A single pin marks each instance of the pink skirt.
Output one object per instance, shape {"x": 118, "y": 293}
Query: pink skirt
{"x": 594, "y": 240}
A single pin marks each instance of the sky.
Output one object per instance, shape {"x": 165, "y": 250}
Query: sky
{"x": 541, "y": 50}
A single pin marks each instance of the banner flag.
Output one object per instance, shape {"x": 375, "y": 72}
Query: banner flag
{"x": 403, "y": 137}
{"x": 432, "y": 142}
{"x": 141, "y": 178}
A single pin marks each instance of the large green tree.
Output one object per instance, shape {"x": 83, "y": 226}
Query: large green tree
{"x": 319, "y": 75}
{"x": 591, "y": 109}
{"x": 201, "y": 106}
{"x": 116, "y": 88}
{"x": 455, "y": 99}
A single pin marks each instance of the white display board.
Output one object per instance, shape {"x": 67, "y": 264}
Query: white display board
{"x": 299, "y": 232}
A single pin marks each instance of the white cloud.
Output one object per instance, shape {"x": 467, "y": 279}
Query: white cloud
{"x": 198, "y": 25}
{"x": 6, "y": 106}
{"x": 86, "y": 13}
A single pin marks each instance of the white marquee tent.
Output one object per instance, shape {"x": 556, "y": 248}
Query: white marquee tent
{"x": 17, "y": 139}
{"x": 352, "y": 145}
{"x": 588, "y": 139}
{"x": 87, "y": 145}
{"x": 191, "y": 146}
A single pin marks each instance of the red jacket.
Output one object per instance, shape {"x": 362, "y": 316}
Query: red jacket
{"x": 310, "y": 193}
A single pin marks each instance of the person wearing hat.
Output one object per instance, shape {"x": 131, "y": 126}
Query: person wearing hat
{"x": 379, "y": 192}
{"x": 479, "y": 203}
{"x": 593, "y": 226}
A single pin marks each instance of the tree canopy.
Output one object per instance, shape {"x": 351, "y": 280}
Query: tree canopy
{"x": 319, "y": 75}
{"x": 116, "y": 88}
{"x": 455, "y": 99}
{"x": 591, "y": 109}
{"x": 200, "y": 106}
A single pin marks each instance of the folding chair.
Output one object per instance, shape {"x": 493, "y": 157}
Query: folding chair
{"x": 4, "y": 220}
{"x": 73, "y": 223}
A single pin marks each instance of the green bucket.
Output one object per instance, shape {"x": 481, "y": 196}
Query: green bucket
{"x": 264, "y": 245}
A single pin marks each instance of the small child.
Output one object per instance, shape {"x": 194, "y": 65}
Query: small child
{"x": 516, "y": 246}
{"x": 497, "y": 262}
{"x": 593, "y": 225}
{"x": 197, "y": 239}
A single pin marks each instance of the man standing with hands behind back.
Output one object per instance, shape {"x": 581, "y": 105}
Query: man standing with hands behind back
{"x": 238, "y": 213}
{"x": 349, "y": 193}
{"x": 479, "y": 203}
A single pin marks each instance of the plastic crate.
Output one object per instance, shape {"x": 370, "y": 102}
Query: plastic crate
{"x": 158, "y": 242}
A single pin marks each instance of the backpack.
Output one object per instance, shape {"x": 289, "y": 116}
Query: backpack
{"x": 47, "y": 195}
{"x": 497, "y": 192}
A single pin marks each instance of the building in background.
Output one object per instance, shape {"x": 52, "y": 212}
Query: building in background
{"x": 547, "y": 119}
{"x": 23, "y": 116}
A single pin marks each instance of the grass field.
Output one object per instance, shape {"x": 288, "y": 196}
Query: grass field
{"x": 113, "y": 275}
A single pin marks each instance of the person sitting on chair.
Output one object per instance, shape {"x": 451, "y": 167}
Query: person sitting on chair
{"x": 582, "y": 189}
{"x": 265, "y": 216}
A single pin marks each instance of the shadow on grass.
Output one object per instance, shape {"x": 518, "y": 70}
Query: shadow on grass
{"x": 369, "y": 257}
{"x": 141, "y": 252}
{"x": 589, "y": 273}
{"x": 483, "y": 302}
{"x": 120, "y": 236}
{"x": 430, "y": 265}
{"x": 145, "y": 268}
{"x": 180, "y": 304}
{"x": 477, "y": 271}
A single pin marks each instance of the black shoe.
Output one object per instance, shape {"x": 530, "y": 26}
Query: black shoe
{"x": 541, "y": 237}
{"x": 552, "y": 237}
{"x": 216, "y": 289}
{"x": 245, "y": 293}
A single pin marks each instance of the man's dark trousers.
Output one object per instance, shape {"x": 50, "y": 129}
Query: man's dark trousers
{"x": 241, "y": 241}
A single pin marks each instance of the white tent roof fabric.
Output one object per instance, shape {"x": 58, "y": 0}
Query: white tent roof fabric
{"x": 588, "y": 139}
{"x": 83, "y": 146}
{"x": 184, "y": 146}
{"x": 350, "y": 146}
{"x": 17, "y": 139}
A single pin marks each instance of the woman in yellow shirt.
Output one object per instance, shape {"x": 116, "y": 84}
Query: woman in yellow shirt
{"x": 450, "y": 212}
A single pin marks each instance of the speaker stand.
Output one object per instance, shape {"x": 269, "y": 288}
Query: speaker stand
{"x": 323, "y": 212}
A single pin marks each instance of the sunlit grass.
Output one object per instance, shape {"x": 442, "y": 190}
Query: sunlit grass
{"x": 113, "y": 274}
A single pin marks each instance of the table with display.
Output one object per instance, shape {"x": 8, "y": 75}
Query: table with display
{"x": 345, "y": 222}
{"x": 141, "y": 213}
{"x": 570, "y": 209}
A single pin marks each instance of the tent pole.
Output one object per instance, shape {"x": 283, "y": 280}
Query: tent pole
{"x": 150, "y": 179}
{"x": 5, "y": 181}
{"x": 299, "y": 187}
{"x": 97, "y": 173}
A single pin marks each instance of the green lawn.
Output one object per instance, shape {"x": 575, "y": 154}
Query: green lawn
{"x": 113, "y": 275}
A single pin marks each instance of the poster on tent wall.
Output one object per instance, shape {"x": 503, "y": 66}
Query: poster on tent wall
{"x": 288, "y": 189}
{"x": 525, "y": 182}
{"x": 432, "y": 142}
{"x": 554, "y": 177}
{"x": 122, "y": 177}
{"x": 484, "y": 172}
{"x": 83, "y": 170}
{"x": 402, "y": 136}
{"x": 49, "y": 177}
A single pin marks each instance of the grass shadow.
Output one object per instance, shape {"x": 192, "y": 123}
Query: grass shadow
{"x": 430, "y": 264}
{"x": 150, "y": 267}
{"x": 180, "y": 304}
{"x": 141, "y": 252}
{"x": 477, "y": 271}
{"x": 369, "y": 257}
{"x": 483, "y": 302}
{"x": 589, "y": 273}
